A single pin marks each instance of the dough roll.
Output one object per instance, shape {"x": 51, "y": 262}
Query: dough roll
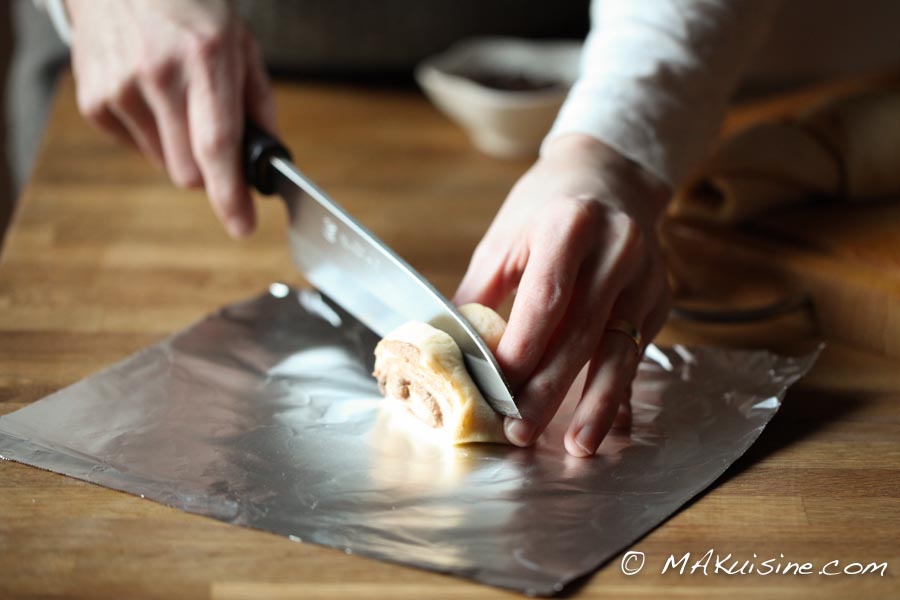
{"x": 422, "y": 368}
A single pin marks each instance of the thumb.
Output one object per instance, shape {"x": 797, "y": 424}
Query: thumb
{"x": 483, "y": 283}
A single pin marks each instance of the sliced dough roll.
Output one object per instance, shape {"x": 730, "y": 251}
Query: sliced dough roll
{"x": 422, "y": 368}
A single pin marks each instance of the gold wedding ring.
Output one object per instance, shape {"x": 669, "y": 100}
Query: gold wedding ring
{"x": 629, "y": 329}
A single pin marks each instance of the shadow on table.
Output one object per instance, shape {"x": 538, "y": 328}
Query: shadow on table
{"x": 803, "y": 413}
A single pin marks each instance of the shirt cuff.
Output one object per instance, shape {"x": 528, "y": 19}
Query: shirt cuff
{"x": 56, "y": 10}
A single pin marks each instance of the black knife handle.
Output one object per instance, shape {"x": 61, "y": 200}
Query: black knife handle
{"x": 257, "y": 147}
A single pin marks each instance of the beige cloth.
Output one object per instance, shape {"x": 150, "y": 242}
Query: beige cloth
{"x": 844, "y": 148}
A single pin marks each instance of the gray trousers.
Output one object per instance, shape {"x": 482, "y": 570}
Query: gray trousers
{"x": 30, "y": 75}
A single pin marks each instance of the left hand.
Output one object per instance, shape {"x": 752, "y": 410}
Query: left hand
{"x": 175, "y": 78}
{"x": 577, "y": 235}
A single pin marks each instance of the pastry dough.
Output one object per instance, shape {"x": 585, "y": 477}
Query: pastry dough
{"x": 422, "y": 368}
{"x": 846, "y": 148}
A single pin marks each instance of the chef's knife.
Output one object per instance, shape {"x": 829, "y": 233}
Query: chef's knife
{"x": 354, "y": 268}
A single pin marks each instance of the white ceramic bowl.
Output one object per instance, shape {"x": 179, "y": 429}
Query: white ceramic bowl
{"x": 463, "y": 83}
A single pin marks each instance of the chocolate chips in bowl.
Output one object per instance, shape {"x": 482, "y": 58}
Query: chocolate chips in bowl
{"x": 515, "y": 82}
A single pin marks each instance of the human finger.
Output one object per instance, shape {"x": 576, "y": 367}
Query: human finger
{"x": 653, "y": 323}
{"x": 557, "y": 252}
{"x": 659, "y": 314}
{"x": 128, "y": 106}
{"x": 571, "y": 347}
{"x": 164, "y": 89}
{"x": 488, "y": 279}
{"x": 102, "y": 117}
{"x": 603, "y": 276}
{"x": 215, "y": 114}
{"x": 622, "y": 420}
{"x": 606, "y": 389}
{"x": 606, "y": 397}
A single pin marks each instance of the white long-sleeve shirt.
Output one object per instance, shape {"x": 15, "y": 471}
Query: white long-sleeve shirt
{"x": 656, "y": 76}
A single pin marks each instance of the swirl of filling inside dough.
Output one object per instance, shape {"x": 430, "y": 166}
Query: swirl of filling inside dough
{"x": 422, "y": 368}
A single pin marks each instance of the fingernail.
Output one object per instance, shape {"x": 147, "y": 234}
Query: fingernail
{"x": 584, "y": 439}
{"x": 519, "y": 431}
{"x": 237, "y": 227}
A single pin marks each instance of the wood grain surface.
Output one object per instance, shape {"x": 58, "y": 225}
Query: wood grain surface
{"x": 106, "y": 257}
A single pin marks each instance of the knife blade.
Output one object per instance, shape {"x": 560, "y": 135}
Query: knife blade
{"x": 347, "y": 262}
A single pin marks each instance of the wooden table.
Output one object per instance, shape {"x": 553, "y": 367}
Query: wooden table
{"x": 105, "y": 257}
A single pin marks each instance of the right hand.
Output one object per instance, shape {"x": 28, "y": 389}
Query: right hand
{"x": 175, "y": 78}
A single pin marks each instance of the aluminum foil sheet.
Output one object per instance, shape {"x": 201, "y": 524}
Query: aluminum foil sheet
{"x": 265, "y": 415}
